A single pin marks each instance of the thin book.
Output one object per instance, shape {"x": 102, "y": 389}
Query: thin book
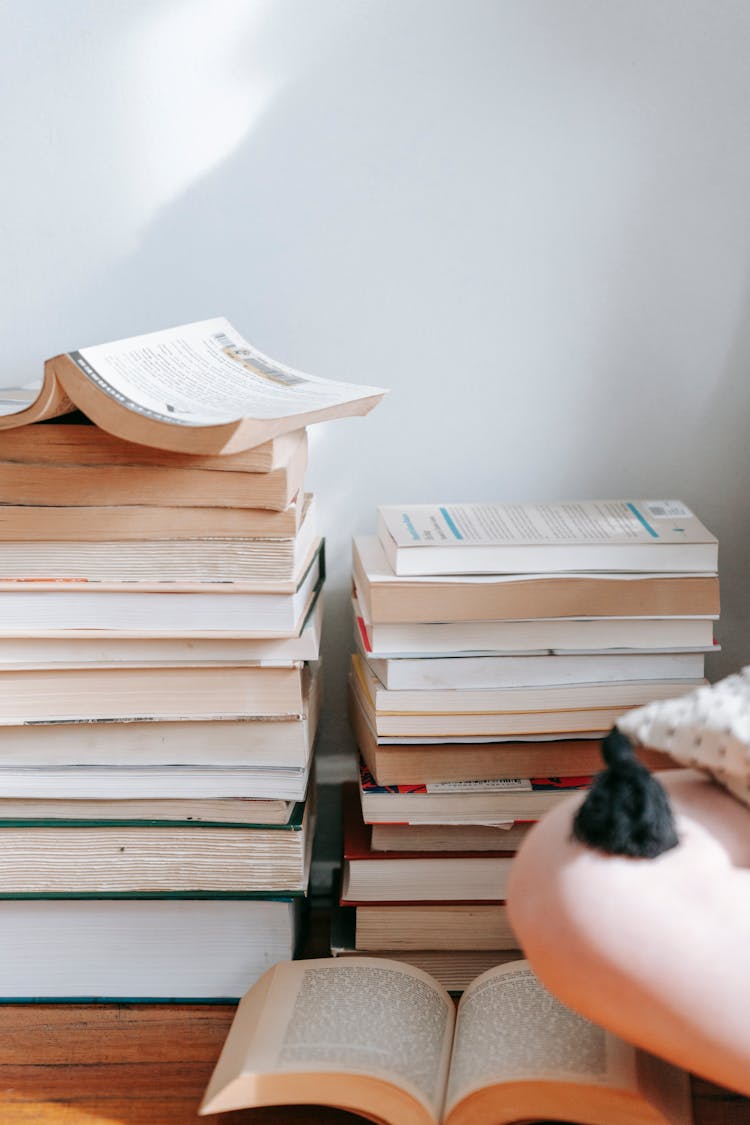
{"x": 592, "y": 535}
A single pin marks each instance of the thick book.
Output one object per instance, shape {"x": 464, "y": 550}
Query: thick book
{"x": 565, "y": 635}
{"x": 27, "y": 611}
{"x": 200, "y": 388}
{"x": 159, "y": 694}
{"x": 446, "y": 926}
{"x": 390, "y": 598}
{"x": 105, "y": 650}
{"x": 73, "y": 439}
{"x": 125, "y": 859}
{"x": 370, "y": 876}
{"x": 493, "y": 801}
{"x": 87, "y": 950}
{"x": 273, "y": 744}
{"x": 161, "y": 485}
{"x": 251, "y": 565}
{"x": 409, "y": 763}
{"x": 599, "y": 535}
{"x": 382, "y": 1039}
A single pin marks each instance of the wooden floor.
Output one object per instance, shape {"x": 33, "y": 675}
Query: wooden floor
{"x": 148, "y": 1064}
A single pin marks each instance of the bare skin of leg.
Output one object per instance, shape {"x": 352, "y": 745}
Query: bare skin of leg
{"x": 658, "y": 950}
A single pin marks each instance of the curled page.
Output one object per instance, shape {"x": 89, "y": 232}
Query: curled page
{"x": 205, "y": 374}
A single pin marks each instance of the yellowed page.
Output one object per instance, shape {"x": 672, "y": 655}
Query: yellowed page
{"x": 364, "y": 1016}
{"x": 510, "y": 1029}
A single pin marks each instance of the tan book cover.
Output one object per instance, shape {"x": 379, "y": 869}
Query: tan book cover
{"x": 28, "y": 523}
{"x": 72, "y": 439}
{"x": 100, "y": 694}
{"x": 388, "y": 598}
{"x": 162, "y": 485}
{"x": 178, "y": 565}
{"x": 281, "y": 744}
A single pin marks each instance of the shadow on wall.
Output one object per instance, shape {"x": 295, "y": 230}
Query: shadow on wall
{"x": 505, "y": 212}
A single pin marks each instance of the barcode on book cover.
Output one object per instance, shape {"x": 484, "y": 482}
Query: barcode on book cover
{"x": 496, "y": 785}
{"x": 667, "y": 510}
{"x": 256, "y": 361}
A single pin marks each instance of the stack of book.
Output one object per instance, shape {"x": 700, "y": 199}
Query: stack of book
{"x": 160, "y": 614}
{"x": 495, "y": 647}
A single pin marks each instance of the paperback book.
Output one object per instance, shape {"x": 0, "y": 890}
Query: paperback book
{"x": 200, "y": 388}
{"x": 382, "y": 1039}
{"x": 590, "y": 535}
{"x": 371, "y": 876}
{"x": 469, "y": 802}
{"x": 392, "y": 598}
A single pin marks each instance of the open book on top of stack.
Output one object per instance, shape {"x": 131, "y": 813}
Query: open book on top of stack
{"x": 200, "y": 388}
{"x": 495, "y": 646}
{"x": 381, "y": 1039}
{"x": 160, "y": 683}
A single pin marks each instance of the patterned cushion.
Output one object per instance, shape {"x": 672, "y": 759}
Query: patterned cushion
{"x": 707, "y": 730}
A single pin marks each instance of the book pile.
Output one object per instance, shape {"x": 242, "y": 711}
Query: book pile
{"x": 160, "y": 615}
{"x": 495, "y": 647}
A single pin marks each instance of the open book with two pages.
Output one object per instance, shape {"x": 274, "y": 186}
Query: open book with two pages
{"x": 382, "y": 1039}
{"x": 200, "y": 388}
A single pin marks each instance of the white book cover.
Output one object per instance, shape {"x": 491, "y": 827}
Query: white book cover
{"x": 581, "y": 535}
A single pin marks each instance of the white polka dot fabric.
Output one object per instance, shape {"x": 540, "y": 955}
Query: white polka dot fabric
{"x": 707, "y": 730}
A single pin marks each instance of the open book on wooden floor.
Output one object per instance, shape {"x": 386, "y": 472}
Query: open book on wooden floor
{"x": 200, "y": 388}
{"x": 382, "y": 1039}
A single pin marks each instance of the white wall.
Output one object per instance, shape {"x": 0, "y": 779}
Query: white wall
{"x": 529, "y": 218}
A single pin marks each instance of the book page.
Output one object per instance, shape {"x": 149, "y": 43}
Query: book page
{"x": 510, "y": 1028}
{"x": 363, "y": 1016}
{"x": 205, "y": 374}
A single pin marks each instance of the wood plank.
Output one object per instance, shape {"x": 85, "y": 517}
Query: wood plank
{"x": 145, "y": 1064}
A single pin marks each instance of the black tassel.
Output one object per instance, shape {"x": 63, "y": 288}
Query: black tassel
{"x": 626, "y": 811}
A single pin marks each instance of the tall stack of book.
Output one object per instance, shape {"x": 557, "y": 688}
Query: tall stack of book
{"x": 160, "y": 614}
{"x": 495, "y": 647}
